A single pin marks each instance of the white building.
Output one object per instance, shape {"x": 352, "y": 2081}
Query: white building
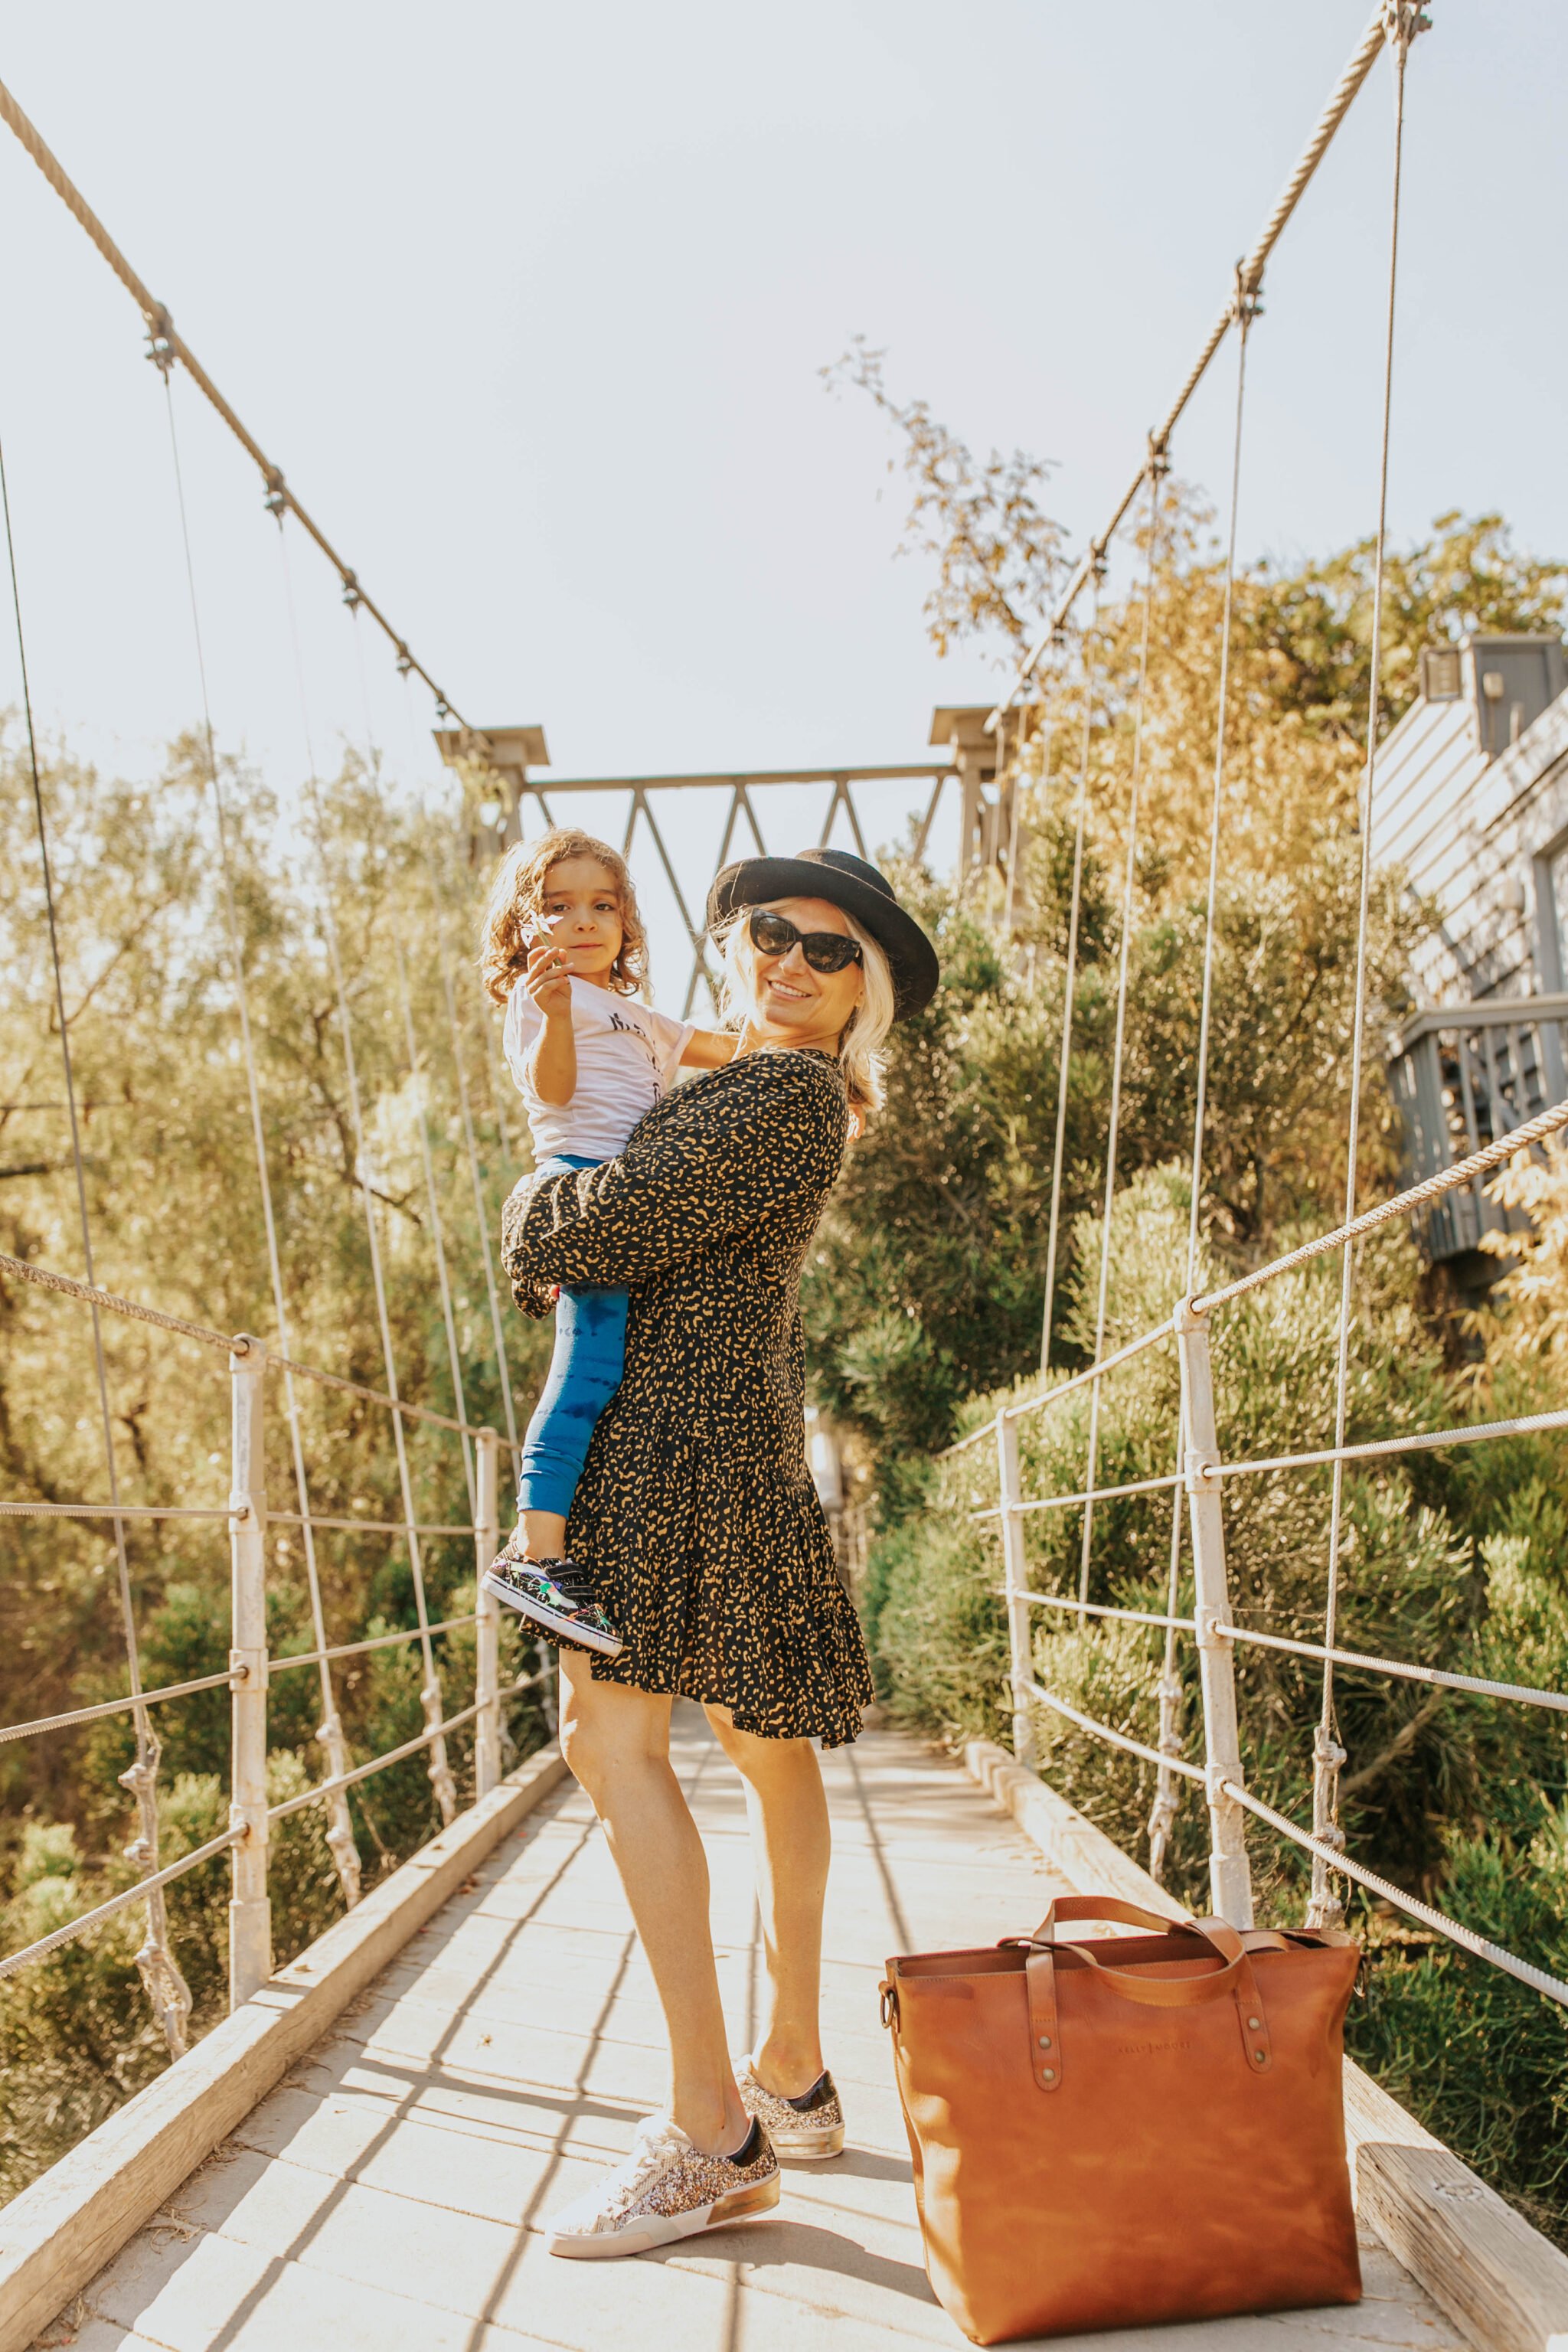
{"x": 1471, "y": 800}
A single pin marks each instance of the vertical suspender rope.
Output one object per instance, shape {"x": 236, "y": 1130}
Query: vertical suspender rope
{"x": 1157, "y": 472}
{"x": 416, "y": 1080}
{"x": 165, "y": 1988}
{"x": 1167, "y": 1788}
{"x": 471, "y": 1150}
{"x": 471, "y": 1146}
{"x": 330, "y": 1731}
{"x": 1324, "y": 1908}
{"x": 1098, "y": 553}
{"x": 440, "y": 1772}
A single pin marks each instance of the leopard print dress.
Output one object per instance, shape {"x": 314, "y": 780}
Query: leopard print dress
{"x": 695, "y": 1509}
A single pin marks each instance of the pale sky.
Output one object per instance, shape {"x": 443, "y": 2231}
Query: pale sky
{"x": 529, "y": 303}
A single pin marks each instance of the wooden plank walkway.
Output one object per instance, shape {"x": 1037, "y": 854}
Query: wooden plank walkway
{"x": 388, "y": 2196}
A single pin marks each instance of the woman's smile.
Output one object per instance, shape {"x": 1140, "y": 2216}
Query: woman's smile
{"x": 808, "y": 1008}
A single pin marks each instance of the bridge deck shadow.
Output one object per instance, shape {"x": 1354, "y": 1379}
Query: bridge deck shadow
{"x": 388, "y": 2196}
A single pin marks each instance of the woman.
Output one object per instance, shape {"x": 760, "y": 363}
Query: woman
{"x": 697, "y": 1515}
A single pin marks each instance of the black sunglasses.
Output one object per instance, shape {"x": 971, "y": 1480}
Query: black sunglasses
{"x": 774, "y": 935}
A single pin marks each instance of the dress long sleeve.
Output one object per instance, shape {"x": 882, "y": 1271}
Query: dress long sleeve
{"x": 715, "y": 1158}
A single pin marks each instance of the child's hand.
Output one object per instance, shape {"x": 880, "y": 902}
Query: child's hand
{"x": 548, "y": 981}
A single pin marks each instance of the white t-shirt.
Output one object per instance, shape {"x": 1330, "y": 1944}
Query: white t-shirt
{"x": 626, "y": 1054}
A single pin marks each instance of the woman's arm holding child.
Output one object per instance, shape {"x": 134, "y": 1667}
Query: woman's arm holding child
{"x": 708, "y": 1049}
{"x": 552, "y": 1061}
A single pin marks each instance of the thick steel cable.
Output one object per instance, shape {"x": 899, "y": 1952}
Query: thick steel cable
{"x": 430, "y": 1694}
{"x": 17, "y": 1510}
{"x": 166, "y": 1990}
{"x": 163, "y": 339}
{"x": 89, "y": 1294}
{"x": 1060, "y": 1146}
{"x": 1324, "y": 1908}
{"x": 1403, "y": 1204}
{"x": 330, "y": 1731}
{"x": 145, "y": 1891}
{"x": 1249, "y": 275}
{"x": 42, "y": 1723}
{"x": 1331, "y": 1858}
{"x": 1113, "y": 1130}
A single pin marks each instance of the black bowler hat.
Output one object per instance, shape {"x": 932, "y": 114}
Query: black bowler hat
{"x": 847, "y": 882}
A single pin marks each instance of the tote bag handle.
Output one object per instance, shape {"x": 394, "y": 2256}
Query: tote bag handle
{"x": 1233, "y": 1977}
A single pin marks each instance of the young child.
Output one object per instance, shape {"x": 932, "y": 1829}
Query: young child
{"x": 564, "y": 951}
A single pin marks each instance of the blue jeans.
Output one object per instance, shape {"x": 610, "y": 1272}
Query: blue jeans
{"x": 585, "y": 1373}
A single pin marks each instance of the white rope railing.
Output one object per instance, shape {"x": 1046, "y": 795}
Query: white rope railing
{"x": 1054, "y": 1394}
{"x": 1086, "y": 1495}
{"x": 1122, "y": 1739}
{"x": 1524, "y": 1694}
{"x": 233, "y": 1343}
{"x": 434, "y": 1734}
{"x": 1033, "y": 1599}
{"x": 167, "y": 1992}
{"x": 341, "y": 1838}
{"x": 376, "y": 1642}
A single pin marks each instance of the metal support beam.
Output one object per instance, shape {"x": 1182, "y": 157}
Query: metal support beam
{"x": 249, "y": 1910}
{"x": 1230, "y": 1875}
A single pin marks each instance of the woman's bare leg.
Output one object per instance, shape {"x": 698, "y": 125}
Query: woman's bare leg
{"x": 616, "y": 1742}
{"x": 791, "y": 1847}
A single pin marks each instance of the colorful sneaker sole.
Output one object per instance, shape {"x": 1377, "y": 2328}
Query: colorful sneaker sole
{"x": 569, "y": 1630}
{"x": 650, "y": 2230}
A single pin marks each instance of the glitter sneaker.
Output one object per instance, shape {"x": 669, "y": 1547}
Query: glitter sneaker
{"x": 809, "y": 2128}
{"x": 667, "y": 2189}
{"x": 558, "y": 1597}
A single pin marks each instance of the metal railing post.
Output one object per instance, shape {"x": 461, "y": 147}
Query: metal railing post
{"x": 1015, "y": 1576}
{"x": 487, "y": 1629}
{"x": 249, "y": 1910}
{"x": 1230, "y": 1875}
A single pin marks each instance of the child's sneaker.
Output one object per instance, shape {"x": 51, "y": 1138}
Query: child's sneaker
{"x": 558, "y": 1597}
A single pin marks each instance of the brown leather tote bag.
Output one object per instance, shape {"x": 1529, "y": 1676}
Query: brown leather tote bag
{"x": 1117, "y": 2134}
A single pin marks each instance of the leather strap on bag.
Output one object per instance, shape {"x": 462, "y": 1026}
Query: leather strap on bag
{"x": 1044, "y": 2033}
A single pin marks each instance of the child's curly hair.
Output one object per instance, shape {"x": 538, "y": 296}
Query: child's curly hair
{"x": 518, "y": 892}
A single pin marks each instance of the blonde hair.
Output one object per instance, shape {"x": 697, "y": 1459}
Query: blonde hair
{"x": 518, "y": 892}
{"x": 860, "y": 1055}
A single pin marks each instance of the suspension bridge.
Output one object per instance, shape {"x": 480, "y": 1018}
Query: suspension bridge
{"x": 365, "y": 2144}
